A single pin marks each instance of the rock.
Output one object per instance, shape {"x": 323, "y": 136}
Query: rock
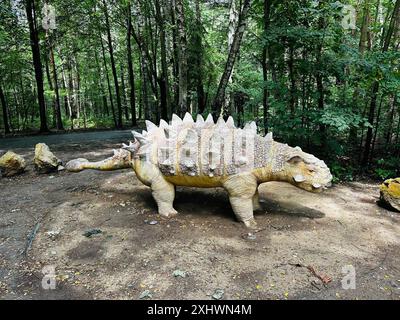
{"x": 179, "y": 273}
{"x": 390, "y": 193}
{"x": 91, "y": 232}
{"x": 218, "y": 294}
{"x": 45, "y": 161}
{"x": 145, "y": 294}
{"x": 11, "y": 164}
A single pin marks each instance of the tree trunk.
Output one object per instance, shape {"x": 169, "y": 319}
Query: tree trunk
{"x": 267, "y": 11}
{"x": 375, "y": 87}
{"x": 132, "y": 95}
{"x": 233, "y": 52}
{"x": 108, "y": 82}
{"x": 5, "y": 111}
{"x": 58, "y": 108}
{"x": 113, "y": 68}
{"x": 163, "y": 80}
{"x": 123, "y": 93}
{"x": 50, "y": 82}
{"x": 182, "y": 57}
{"x": 201, "y": 99}
{"x": 30, "y": 12}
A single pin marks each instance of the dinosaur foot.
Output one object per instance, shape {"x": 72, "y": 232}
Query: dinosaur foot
{"x": 168, "y": 213}
{"x": 251, "y": 224}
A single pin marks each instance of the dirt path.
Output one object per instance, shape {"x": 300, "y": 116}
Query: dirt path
{"x": 328, "y": 231}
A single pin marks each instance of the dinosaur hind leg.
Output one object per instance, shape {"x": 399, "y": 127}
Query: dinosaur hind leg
{"x": 241, "y": 189}
{"x": 164, "y": 194}
{"x": 256, "y": 202}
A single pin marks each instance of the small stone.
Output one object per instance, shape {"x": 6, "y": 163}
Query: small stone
{"x": 53, "y": 234}
{"x": 145, "y": 294}
{"x": 250, "y": 236}
{"x": 91, "y": 232}
{"x": 218, "y": 294}
{"x": 179, "y": 273}
{"x": 153, "y": 222}
{"x": 12, "y": 164}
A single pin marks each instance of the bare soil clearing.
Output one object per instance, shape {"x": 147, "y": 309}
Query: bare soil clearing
{"x": 327, "y": 231}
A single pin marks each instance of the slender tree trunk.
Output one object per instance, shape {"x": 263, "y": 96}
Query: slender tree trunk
{"x": 267, "y": 11}
{"x": 58, "y": 108}
{"x": 175, "y": 58}
{"x": 292, "y": 96}
{"x": 132, "y": 95}
{"x": 201, "y": 99}
{"x": 100, "y": 81}
{"x": 5, "y": 111}
{"x": 320, "y": 81}
{"x": 220, "y": 96}
{"x": 182, "y": 56}
{"x": 50, "y": 82}
{"x": 376, "y": 128}
{"x": 30, "y": 12}
{"x": 113, "y": 68}
{"x": 123, "y": 93}
{"x": 108, "y": 82}
{"x": 163, "y": 79}
{"x": 388, "y": 137}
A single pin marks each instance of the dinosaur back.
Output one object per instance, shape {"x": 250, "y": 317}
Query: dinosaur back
{"x": 202, "y": 147}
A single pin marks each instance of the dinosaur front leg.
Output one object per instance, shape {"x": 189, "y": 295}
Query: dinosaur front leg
{"x": 242, "y": 189}
{"x": 164, "y": 194}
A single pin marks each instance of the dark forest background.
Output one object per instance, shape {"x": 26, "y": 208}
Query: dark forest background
{"x": 298, "y": 68}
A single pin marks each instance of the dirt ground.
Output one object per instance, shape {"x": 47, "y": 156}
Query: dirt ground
{"x": 302, "y": 232}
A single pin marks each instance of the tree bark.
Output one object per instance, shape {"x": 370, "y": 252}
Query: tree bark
{"x": 108, "y": 82}
{"x": 233, "y": 52}
{"x": 58, "y": 108}
{"x": 182, "y": 57}
{"x": 267, "y": 11}
{"x": 5, "y": 111}
{"x": 113, "y": 68}
{"x": 30, "y": 13}
{"x": 132, "y": 95}
{"x": 163, "y": 79}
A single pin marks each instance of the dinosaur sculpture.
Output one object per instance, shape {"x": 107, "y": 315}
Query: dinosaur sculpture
{"x": 207, "y": 154}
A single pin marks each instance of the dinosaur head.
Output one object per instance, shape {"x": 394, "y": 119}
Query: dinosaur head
{"x": 305, "y": 171}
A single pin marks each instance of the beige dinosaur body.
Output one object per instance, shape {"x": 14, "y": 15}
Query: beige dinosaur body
{"x": 204, "y": 154}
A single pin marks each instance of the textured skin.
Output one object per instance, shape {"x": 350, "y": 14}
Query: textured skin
{"x": 205, "y": 154}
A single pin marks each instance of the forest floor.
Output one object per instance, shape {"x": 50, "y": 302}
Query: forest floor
{"x": 302, "y": 232}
